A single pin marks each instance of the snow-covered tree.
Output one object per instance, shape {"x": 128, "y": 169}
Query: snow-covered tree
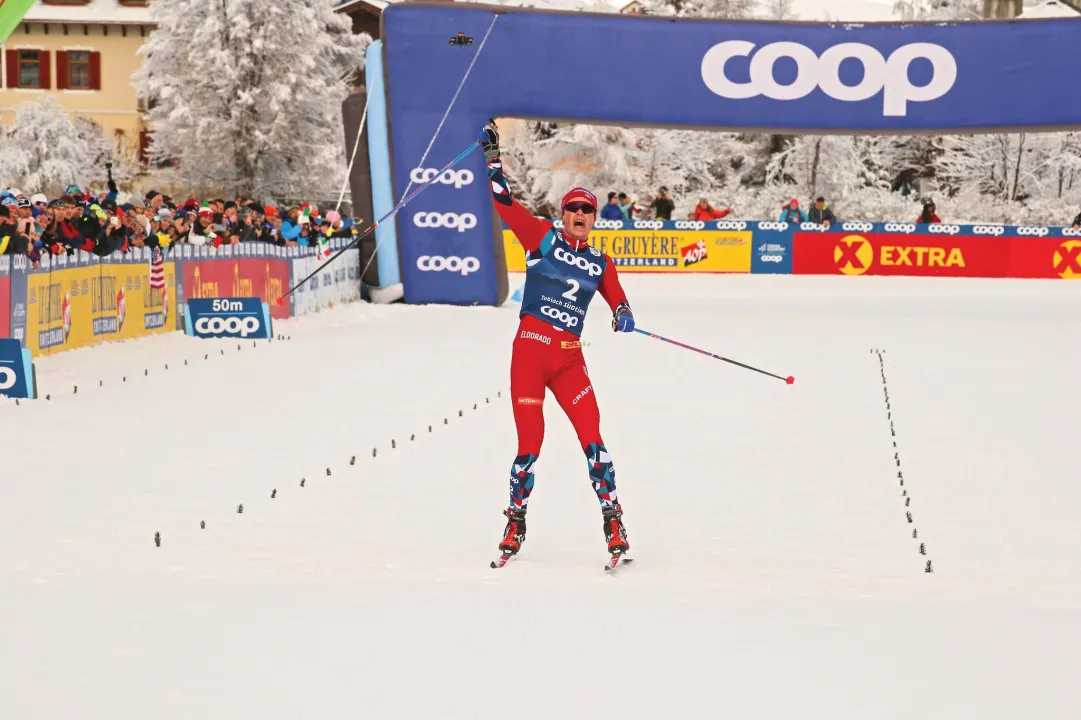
{"x": 246, "y": 95}
{"x": 45, "y": 150}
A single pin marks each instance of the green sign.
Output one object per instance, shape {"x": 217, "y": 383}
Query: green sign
{"x": 11, "y": 12}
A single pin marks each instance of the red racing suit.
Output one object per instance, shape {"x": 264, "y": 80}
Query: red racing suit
{"x": 547, "y": 350}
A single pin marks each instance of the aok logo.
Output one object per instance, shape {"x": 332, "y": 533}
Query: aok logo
{"x": 7, "y": 378}
{"x": 1067, "y": 260}
{"x": 889, "y": 76}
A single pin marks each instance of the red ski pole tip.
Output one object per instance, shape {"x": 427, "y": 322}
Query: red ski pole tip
{"x": 790, "y": 380}
{"x": 281, "y": 301}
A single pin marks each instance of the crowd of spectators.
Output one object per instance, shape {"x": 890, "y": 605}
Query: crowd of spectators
{"x": 108, "y": 222}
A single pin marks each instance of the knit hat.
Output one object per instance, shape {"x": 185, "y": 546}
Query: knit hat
{"x": 15, "y": 192}
{"x": 333, "y": 216}
{"x": 581, "y": 195}
{"x": 164, "y": 212}
{"x": 23, "y": 202}
{"x": 39, "y": 199}
{"x": 206, "y": 211}
{"x": 270, "y": 211}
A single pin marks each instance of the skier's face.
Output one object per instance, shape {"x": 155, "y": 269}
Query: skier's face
{"x": 578, "y": 220}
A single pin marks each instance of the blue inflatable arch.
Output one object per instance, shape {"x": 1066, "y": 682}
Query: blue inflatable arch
{"x": 775, "y": 77}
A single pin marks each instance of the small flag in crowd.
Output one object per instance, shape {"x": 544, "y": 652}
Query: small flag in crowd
{"x": 157, "y": 268}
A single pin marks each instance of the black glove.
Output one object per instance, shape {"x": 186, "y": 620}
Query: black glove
{"x": 489, "y": 140}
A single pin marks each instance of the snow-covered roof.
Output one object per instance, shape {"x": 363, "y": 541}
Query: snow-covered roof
{"x": 1049, "y": 9}
{"x": 348, "y": 5}
{"x": 95, "y": 12}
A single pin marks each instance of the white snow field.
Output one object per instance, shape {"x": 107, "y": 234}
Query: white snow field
{"x": 776, "y": 575}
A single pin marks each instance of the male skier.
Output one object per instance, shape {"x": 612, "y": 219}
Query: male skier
{"x": 563, "y": 273}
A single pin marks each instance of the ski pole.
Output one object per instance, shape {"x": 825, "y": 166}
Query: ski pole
{"x": 788, "y": 380}
{"x": 420, "y": 188}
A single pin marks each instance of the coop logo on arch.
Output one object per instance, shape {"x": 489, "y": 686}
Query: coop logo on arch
{"x": 886, "y": 75}
{"x": 457, "y": 178}
{"x": 451, "y": 221}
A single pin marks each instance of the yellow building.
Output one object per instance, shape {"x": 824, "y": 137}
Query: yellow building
{"x": 80, "y": 53}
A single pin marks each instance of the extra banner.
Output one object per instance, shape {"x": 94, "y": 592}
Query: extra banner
{"x": 984, "y": 251}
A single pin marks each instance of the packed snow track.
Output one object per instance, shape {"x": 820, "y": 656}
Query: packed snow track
{"x": 776, "y": 574}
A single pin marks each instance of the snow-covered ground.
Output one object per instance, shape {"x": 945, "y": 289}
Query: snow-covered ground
{"x": 776, "y": 572}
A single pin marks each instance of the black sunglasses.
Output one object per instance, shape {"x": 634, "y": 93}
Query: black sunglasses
{"x": 576, "y": 206}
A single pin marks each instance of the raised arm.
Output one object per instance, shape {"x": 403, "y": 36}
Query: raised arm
{"x": 529, "y": 230}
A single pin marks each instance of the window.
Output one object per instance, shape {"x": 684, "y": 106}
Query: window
{"x": 26, "y": 68}
{"x": 29, "y": 69}
{"x": 78, "y": 70}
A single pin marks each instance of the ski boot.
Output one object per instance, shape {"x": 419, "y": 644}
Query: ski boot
{"x": 514, "y": 533}
{"x": 614, "y": 532}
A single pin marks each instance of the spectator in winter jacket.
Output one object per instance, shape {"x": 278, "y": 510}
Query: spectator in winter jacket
{"x": 928, "y": 214}
{"x": 1077, "y": 222}
{"x": 663, "y": 207}
{"x": 821, "y": 214}
{"x": 611, "y": 210}
{"x": 704, "y": 211}
{"x": 11, "y": 241}
{"x": 290, "y": 228}
{"x": 626, "y": 207}
{"x": 792, "y": 213}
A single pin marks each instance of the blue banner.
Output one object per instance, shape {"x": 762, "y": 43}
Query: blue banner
{"x": 748, "y": 75}
{"x": 19, "y": 289}
{"x": 16, "y": 370}
{"x": 246, "y": 317}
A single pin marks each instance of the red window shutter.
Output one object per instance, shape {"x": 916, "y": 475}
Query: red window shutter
{"x": 144, "y": 147}
{"x": 95, "y": 71}
{"x": 44, "y": 70}
{"x": 61, "y": 70}
{"x": 11, "y": 63}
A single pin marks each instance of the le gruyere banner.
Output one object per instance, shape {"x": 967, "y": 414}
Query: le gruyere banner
{"x": 698, "y": 251}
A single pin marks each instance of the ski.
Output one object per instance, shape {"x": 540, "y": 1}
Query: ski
{"x": 501, "y": 560}
{"x": 616, "y": 561}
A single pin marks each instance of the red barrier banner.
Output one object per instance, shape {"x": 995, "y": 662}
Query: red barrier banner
{"x": 1044, "y": 257}
{"x": 891, "y": 254}
{"x": 264, "y": 278}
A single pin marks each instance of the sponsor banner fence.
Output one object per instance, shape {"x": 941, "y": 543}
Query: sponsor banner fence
{"x": 245, "y": 270}
{"x": 82, "y": 300}
{"x": 872, "y": 254}
{"x": 945, "y": 250}
{"x": 337, "y": 283}
{"x": 73, "y": 301}
{"x": 661, "y": 249}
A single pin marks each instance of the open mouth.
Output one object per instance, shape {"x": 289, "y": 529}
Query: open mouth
{"x": 579, "y": 223}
